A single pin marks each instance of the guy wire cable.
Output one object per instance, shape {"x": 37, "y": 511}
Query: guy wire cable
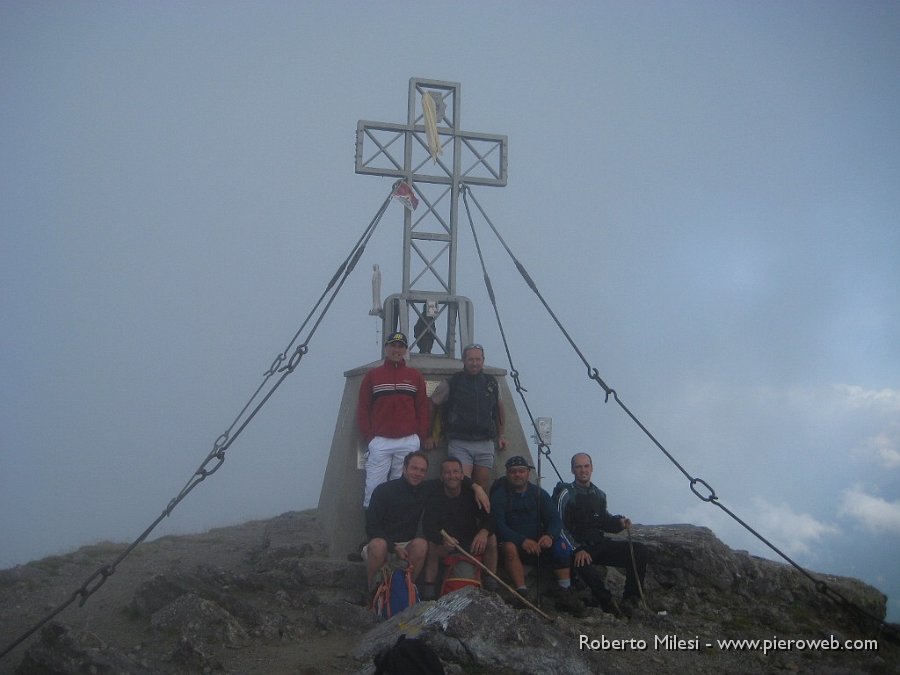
{"x": 542, "y": 447}
{"x": 712, "y": 498}
{"x": 513, "y": 372}
{"x": 99, "y": 577}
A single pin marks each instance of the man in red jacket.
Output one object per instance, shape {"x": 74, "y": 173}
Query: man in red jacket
{"x": 393, "y": 414}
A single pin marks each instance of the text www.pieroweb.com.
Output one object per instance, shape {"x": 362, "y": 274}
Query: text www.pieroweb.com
{"x": 764, "y": 645}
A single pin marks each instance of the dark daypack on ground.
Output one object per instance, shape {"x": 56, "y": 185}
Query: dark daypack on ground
{"x": 408, "y": 656}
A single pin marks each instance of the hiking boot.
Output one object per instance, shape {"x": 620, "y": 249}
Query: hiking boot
{"x": 567, "y": 601}
{"x": 606, "y": 603}
{"x": 600, "y": 597}
{"x": 490, "y": 584}
{"x": 631, "y": 605}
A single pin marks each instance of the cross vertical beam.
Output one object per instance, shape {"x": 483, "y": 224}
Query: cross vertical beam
{"x": 402, "y": 151}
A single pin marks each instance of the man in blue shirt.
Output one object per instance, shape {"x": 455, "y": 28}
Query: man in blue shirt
{"x": 528, "y": 527}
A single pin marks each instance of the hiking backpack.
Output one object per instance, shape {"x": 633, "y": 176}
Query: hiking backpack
{"x": 395, "y": 593}
{"x": 460, "y": 572}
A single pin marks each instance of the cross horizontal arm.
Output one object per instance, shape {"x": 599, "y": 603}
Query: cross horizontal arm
{"x": 482, "y": 146}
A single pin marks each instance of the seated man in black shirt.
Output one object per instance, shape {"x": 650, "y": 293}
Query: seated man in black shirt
{"x": 582, "y": 506}
{"x": 392, "y": 519}
{"x": 454, "y": 510}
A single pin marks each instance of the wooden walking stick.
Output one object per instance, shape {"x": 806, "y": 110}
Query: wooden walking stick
{"x": 475, "y": 560}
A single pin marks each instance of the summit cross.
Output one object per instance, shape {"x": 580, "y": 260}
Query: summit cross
{"x": 434, "y": 159}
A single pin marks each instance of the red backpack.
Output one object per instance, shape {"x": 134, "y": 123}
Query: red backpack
{"x": 459, "y": 573}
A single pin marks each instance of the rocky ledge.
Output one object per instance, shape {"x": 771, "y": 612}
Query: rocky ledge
{"x": 264, "y": 597}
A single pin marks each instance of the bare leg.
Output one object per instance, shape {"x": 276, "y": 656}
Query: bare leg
{"x": 513, "y": 564}
{"x": 417, "y": 549}
{"x": 490, "y": 554}
{"x": 435, "y": 553}
{"x": 376, "y": 556}
{"x": 481, "y": 475}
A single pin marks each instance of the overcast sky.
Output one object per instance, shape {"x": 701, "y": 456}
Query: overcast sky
{"x": 707, "y": 193}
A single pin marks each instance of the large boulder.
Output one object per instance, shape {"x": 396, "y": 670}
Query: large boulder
{"x": 475, "y": 628}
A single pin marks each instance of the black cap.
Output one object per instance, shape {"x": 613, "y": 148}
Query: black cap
{"x": 518, "y": 460}
{"x": 396, "y": 337}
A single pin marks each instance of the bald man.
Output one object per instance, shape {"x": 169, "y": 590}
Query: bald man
{"x": 582, "y": 508}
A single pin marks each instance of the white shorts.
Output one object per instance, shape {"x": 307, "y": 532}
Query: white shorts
{"x": 365, "y": 549}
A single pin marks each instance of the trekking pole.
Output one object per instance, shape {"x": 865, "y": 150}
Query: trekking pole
{"x": 537, "y": 574}
{"x": 480, "y": 564}
{"x": 637, "y": 577}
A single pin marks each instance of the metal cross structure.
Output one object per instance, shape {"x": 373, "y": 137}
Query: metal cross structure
{"x": 434, "y": 159}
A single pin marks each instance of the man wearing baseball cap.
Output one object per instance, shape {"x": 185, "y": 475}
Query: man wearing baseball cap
{"x": 529, "y": 530}
{"x": 393, "y": 414}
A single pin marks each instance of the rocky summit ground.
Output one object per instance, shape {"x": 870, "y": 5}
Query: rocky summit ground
{"x": 263, "y": 597}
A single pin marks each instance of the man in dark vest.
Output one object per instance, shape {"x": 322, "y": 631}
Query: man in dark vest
{"x": 582, "y": 507}
{"x": 473, "y": 416}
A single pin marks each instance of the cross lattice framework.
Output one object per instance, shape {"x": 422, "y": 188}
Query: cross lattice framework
{"x": 430, "y": 233}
